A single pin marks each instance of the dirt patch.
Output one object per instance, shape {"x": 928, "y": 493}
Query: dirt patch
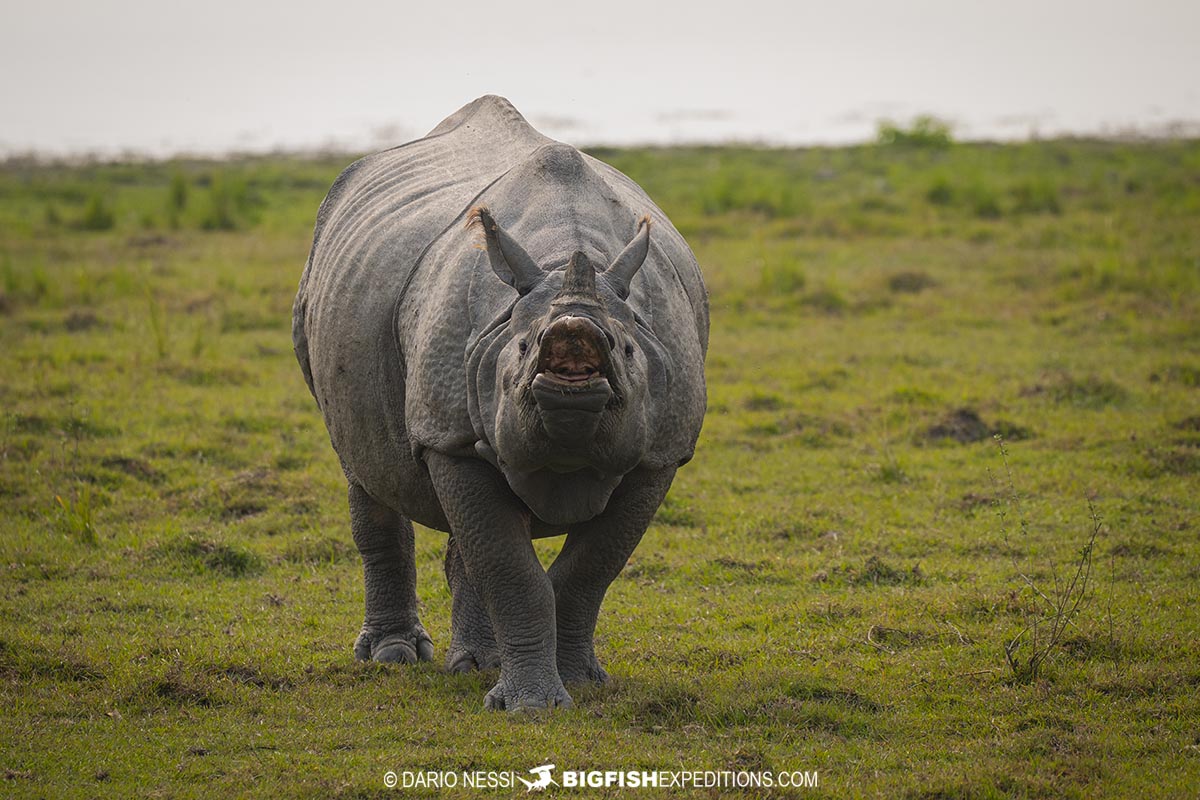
{"x": 736, "y": 565}
{"x": 910, "y": 282}
{"x": 1139, "y": 550}
{"x": 1011, "y": 431}
{"x": 963, "y": 426}
{"x": 78, "y": 321}
{"x": 149, "y": 241}
{"x": 75, "y": 427}
{"x": 1090, "y": 392}
{"x": 133, "y": 467}
{"x": 203, "y": 555}
{"x": 1189, "y": 424}
{"x": 1181, "y": 459}
{"x": 1182, "y": 374}
{"x": 761, "y": 401}
{"x": 824, "y": 694}
{"x": 876, "y": 572}
{"x": 971, "y": 502}
{"x": 248, "y": 493}
{"x": 206, "y": 376}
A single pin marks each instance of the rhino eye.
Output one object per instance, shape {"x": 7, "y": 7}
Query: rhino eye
{"x": 522, "y": 346}
{"x": 629, "y": 351}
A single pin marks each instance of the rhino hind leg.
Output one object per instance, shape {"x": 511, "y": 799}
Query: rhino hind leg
{"x": 472, "y": 641}
{"x": 392, "y": 630}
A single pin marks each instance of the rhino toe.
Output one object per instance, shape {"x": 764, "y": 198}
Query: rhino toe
{"x": 407, "y": 647}
{"x": 461, "y": 660}
{"x": 505, "y": 697}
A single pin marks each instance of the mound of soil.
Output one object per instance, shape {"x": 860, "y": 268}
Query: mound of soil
{"x": 963, "y": 425}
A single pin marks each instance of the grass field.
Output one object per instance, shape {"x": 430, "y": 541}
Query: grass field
{"x": 831, "y": 586}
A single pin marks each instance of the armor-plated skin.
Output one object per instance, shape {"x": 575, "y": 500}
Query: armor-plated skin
{"x": 506, "y": 340}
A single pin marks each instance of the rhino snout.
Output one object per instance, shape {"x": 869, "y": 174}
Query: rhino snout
{"x": 574, "y": 350}
{"x": 571, "y": 384}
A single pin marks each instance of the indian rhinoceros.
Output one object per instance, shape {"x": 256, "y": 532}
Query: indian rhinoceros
{"x": 506, "y": 339}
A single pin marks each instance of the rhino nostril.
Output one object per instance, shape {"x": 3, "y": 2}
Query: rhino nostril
{"x": 574, "y": 349}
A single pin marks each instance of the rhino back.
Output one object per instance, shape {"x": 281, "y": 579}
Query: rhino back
{"x": 379, "y": 217}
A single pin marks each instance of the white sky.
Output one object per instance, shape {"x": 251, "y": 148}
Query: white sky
{"x": 157, "y": 77}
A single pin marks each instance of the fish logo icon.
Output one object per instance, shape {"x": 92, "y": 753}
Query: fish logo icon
{"x": 543, "y": 778}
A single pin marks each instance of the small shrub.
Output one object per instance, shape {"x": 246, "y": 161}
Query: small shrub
{"x": 1053, "y": 609}
{"x": 77, "y": 519}
{"x": 890, "y": 471}
{"x": 984, "y": 201}
{"x": 178, "y": 197}
{"x": 925, "y": 131}
{"x": 219, "y": 216}
{"x": 940, "y": 193}
{"x": 97, "y": 216}
{"x": 1036, "y": 197}
{"x": 158, "y": 326}
{"x": 782, "y": 277}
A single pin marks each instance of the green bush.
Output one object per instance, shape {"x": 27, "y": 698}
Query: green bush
{"x": 1036, "y": 196}
{"x": 97, "y": 216}
{"x": 219, "y": 216}
{"x": 926, "y": 131}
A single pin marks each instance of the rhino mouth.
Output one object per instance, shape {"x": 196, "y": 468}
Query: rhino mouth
{"x": 573, "y": 367}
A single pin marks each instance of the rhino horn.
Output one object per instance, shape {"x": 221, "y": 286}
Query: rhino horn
{"x": 579, "y": 282}
{"x": 620, "y": 273}
{"x": 509, "y": 260}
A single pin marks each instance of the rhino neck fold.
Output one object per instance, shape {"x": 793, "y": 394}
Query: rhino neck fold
{"x": 562, "y": 498}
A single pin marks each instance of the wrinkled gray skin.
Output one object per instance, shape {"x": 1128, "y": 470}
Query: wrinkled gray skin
{"x": 506, "y": 339}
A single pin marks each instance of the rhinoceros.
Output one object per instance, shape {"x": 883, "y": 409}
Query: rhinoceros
{"x": 506, "y": 340}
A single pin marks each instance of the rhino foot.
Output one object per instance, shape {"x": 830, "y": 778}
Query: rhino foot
{"x": 504, "y": 696}
{"x": 461, "y": 659}
{"x": 394, "y": 647}
{"x": 583, "y": 673}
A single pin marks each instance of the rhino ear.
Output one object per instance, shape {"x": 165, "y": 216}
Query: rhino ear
{"x": 620, "y": 273}
{"x": 509, "y": 260}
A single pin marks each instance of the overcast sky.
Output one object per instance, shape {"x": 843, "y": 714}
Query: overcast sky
{"x": 160, "y": 77}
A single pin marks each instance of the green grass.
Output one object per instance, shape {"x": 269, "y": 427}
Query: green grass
{"x": 828, "y": 587}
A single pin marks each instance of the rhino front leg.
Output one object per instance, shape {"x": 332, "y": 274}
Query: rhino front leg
{"x": 594, "y": 554}
{"x": 491, "y": 528}
{"x": 391, "y": 630}
{"x": 472, "y": 642}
